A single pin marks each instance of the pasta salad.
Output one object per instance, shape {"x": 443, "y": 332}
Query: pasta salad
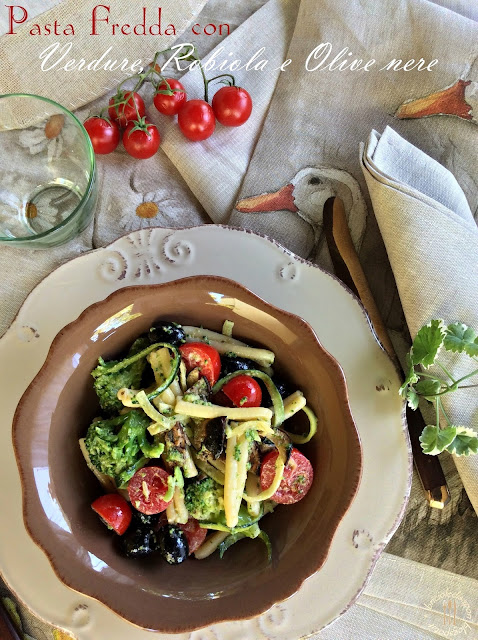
{"x": 192, "y": 448}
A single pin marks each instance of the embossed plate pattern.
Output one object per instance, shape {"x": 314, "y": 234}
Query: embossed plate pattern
{"x": 161, "y": 255}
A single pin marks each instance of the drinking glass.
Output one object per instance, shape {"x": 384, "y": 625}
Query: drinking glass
{"x": 47, "y": 173}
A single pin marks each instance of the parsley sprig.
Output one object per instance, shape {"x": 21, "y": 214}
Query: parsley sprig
{"x": 419, "y": 383}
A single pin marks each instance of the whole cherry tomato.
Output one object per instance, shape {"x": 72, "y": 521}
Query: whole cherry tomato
{"x": 243, "y": 391}
{"x": 202, "y": 355}
{"x": 232, "y": 106}
{"x": 169, "y": 105}
{"x": 141, "y": 139}
{"x": 147, "y": 489}
{"x": 123, "y": 113}
{"x": 196, "y": 120}
{"x": 114, "y": 511}
{"x": 104, "y": 134}
{"x": 296, "y": 481}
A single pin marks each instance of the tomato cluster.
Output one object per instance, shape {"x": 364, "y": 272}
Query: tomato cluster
{"x": 231, "y": 106}
{"x": 127, "y": 120}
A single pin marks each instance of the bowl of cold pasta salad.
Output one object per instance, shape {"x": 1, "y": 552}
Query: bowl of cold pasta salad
{"x": 187, "y": 452}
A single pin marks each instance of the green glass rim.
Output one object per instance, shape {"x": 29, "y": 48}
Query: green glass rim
{"x": 91, "y": 180}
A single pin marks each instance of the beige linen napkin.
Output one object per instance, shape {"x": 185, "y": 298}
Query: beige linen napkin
{"x": 432, "y": 243}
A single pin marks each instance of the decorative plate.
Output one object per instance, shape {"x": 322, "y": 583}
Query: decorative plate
{"x": 286, "y": 281}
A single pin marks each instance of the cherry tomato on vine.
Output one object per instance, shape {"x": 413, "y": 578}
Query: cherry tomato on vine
{"x": 124, "y": 113}
{"x": 232, "y": 106}
{"x": 296, "y": 481}
{"x": 196, "y": 120}
{"x": 199, "y": 354}
{"x": 141, "y": 139}
{"x": 147, "y": 489}
{"x": 114, "y": 511}
{"x": 243, "y": 391}
{"x": 170, "y": 105}
{"x": 104, "y": 134}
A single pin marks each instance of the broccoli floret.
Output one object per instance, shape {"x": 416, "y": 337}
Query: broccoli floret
{"x": 107, "y": 382}
{"x": 119, "y": 447}
{"x": 204, "y": 499}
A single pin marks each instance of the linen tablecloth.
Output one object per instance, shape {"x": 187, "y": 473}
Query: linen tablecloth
{"x": 196, "y": 184}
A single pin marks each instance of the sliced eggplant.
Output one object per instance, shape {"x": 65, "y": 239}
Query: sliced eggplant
{"x": 214, "y": 443}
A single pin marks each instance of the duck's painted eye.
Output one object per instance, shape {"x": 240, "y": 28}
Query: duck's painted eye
{"x": 315, "y": 180}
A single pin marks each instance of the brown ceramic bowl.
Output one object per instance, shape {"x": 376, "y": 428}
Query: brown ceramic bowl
{"x": 58, "y": 488}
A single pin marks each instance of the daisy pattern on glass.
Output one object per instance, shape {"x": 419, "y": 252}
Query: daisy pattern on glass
{"x": 159, "y": 208}
{"x": 48, "y": 135}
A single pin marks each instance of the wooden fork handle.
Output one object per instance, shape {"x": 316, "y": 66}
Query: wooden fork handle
{"x": 347, "y": 267}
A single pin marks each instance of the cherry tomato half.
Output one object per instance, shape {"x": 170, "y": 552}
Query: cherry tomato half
{"x": 196, "y": 120}
{"x": 140, "y": 144}
{"x": 114, "y": 511}
{"x": 243, "y": 391}
{"x": 147, "y": 489}
{"x": 232, "y": 106}
{"x": 170, "y": 105}
{"x": 296, "y": 481}
{"x": 104, "y": 134}
{"x": 131, "y": 110}
{"x": 195, "y": 534}
{"x": 199, "y": 354}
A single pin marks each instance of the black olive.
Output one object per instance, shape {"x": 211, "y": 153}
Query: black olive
{"x": 143, "y": 520}
{"x": 138, "y": 542}
{"x": 282, "y": 386}
{"x": 173, "y": 544}
{"x": 229, "y": 364}
{"x": 167, "y": 332}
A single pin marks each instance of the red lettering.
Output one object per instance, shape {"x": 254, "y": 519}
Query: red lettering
{"x": 11, "y": 17}
{"x": 210, "y": 32}
{"x": 196, "y": 33}
{"x": 94, "y": 19}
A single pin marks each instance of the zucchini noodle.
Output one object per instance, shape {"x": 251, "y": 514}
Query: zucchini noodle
{"x": 161, "y": 423}
{"x": 298, "y": 439}
{"x": 129, "y": 397}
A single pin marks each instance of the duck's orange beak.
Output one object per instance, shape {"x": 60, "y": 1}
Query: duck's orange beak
{"x": 282, "y": 200}
{"x": 450, "y": 101}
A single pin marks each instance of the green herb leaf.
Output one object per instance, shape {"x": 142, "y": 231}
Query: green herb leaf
{"x": 459, "y": 337}
{"x": 428, "y": 387}
{"x": 435, "y": 440}
{"x": 411, "y": 377}
{"x": 428, "y": 343}
{"x": 465, "y": 442}
{"x": 412, "y": 398}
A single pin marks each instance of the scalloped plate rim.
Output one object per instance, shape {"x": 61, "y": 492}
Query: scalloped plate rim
{"x": 166, "y": 233}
